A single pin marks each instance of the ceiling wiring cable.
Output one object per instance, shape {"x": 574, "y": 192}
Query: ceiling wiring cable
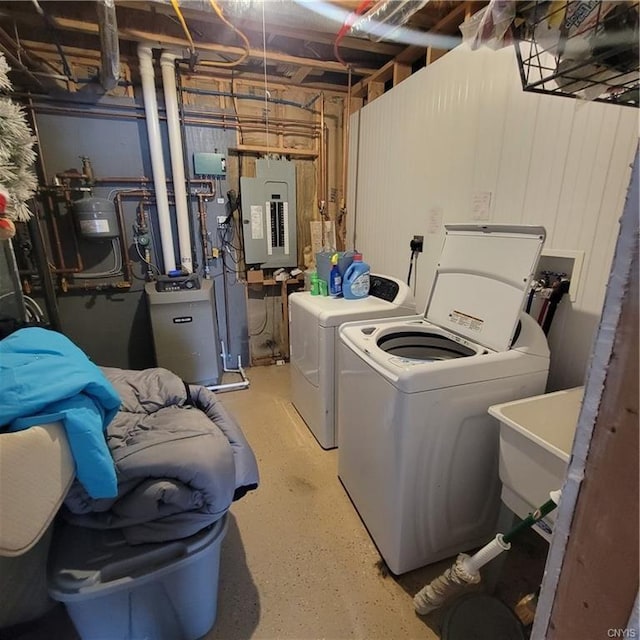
{"x": 232, "y": 250}
{"x": 411, "y": 258}
{"x": 116, "y": 270}
{"x": 234, "y": 102}
{"x": 153, "y": 266}
{"x": 415, "y": 274}
{"x": 346, "y": 26}
{"x": 246, "y": 45}
{"x": 183, "y": 23}
{"x": 34, "y": 310}
{"x": 51, "y": 25}
{"x": 229, "y": 240}
{"x": 266, "y": 318}
{"x": 229, "y": 269}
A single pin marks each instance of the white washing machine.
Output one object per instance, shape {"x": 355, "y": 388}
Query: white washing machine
{"x": 313, "y": 327}
{"x": 417, "y": 450}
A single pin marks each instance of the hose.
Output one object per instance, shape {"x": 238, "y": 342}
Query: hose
{"x": 465, "y": 570}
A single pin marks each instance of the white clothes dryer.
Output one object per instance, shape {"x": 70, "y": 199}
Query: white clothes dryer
{"x": 417, "y": 450}
{"x": 313, "y": 327}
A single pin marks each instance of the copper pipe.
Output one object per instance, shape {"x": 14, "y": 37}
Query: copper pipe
{"x": 16, "y": 64}
{"x": 126, "y": 262}
{"x": 346, "y": 120}
{"x": 95, "y": 287}
{"x": 73, "y": 175}
{"x": 76, "y": 247}
{"x": 54, "y": 228}
{"x": 325, "y": 157}
{"x": 145, "y": 180}
{"x": 202, "y": 215}
{"x": 222, "y": 120}
{"x": 321, "y": 201}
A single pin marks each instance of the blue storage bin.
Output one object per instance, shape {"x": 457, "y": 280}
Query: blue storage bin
{"x": 164, "y": 591}
{"x": 323, "y": 263}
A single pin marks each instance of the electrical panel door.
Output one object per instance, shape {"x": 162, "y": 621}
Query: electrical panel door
{"x": 269, "y": 214}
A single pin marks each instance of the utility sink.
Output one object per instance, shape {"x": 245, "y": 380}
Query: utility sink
{"x": 536, "y": 436}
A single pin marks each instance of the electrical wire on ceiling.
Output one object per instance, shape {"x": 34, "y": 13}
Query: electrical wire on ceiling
{"x": 183, "y": 23}
{"x": 218, "y": 11}
{"x": 245, "y": 41}
{"x": 346, "y": 26}
{"x": 54, "y": 34}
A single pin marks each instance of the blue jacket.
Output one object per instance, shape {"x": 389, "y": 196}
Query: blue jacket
{"x": 44, "y": 377}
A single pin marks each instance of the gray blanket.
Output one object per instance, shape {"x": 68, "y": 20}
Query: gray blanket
{"x": 180, "y": 460}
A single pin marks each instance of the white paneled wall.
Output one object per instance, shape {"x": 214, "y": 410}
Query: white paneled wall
{"x": 422, "y": 153}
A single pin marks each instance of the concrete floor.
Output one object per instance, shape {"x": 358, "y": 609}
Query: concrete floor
{"x": 297, "y": 563}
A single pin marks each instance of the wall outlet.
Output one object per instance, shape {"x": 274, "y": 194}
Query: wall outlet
{"x": 417, "y": 244}
{"x": 222, "y": 222}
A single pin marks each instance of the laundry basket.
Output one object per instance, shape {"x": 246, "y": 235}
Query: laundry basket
{"x": 164, "y": 591}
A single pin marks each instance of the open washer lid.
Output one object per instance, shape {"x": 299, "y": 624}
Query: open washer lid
{"x": 481, "y": 281}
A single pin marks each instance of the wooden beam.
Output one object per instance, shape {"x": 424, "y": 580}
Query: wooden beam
{"x": 434, "y": 54}
{"x": 410, "y": 54}
{"x": 90, "y": 57}
{"x": 257, "y": 148}
{"x": 400, "y": 67}
{"x": 156, "y": 39}
{"x": 359, "y": 90}
{"x": 272, "y": 26}
{"x": 375, "y": 90}
{"x": 400, "y": 72}
{"x": 300, "y": 75}
{"x": 445, "y": 25}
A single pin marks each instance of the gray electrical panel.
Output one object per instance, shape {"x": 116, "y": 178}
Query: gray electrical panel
{"x": 185, "y": 334}
{"x": 269, "y": 214}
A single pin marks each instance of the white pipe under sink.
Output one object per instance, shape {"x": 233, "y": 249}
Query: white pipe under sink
{"x": 167, "y": 64}
{"x": 147, "y": 75}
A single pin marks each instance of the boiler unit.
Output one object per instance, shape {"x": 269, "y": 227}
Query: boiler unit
{"x": 185, "y": 334}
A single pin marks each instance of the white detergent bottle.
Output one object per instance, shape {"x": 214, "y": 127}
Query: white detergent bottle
{"x": 355, "y": 283}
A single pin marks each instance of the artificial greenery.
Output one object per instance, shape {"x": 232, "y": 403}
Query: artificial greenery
{"x": 16, "y": 152}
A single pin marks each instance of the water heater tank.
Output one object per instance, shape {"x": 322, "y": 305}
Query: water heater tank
{"x": 96, "y": 218}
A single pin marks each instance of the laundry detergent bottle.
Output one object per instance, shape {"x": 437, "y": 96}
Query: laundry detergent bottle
{"x": 356, "y": 279}
{"x": 335, "y": 278}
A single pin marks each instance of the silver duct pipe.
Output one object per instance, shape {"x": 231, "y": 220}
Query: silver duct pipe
{"x": 384, "y": 18}
{"x": 109, "y": 45}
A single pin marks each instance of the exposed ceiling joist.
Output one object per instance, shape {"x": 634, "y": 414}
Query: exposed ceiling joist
{"x": 165, "y": 40}
{"x": 273, "y": 28}
{"x": 300, "y": 39}
{"x": 409, "y": 55}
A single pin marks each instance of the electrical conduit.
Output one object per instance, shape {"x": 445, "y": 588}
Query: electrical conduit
{"x": 145, "y": 57}
{"x": 167, "y": 64}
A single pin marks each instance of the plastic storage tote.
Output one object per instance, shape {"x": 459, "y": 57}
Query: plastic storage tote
{"x": 164, "y": 591}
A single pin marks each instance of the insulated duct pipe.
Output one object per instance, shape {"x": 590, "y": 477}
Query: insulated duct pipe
{"x": 157, "y": 160}
{"x": 382, "y": 20}
{"x": 109, "y": 46}
{"x": 168, "y": 66}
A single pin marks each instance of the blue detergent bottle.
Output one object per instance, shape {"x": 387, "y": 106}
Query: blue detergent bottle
{"x": 335, "y": 278}
{"x": 356, "y": 279}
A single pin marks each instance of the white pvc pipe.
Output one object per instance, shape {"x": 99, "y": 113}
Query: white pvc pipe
{"x": 167, "y": 64}
{"x": 486, "y": 554}
{"x": 157, "y": 159}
